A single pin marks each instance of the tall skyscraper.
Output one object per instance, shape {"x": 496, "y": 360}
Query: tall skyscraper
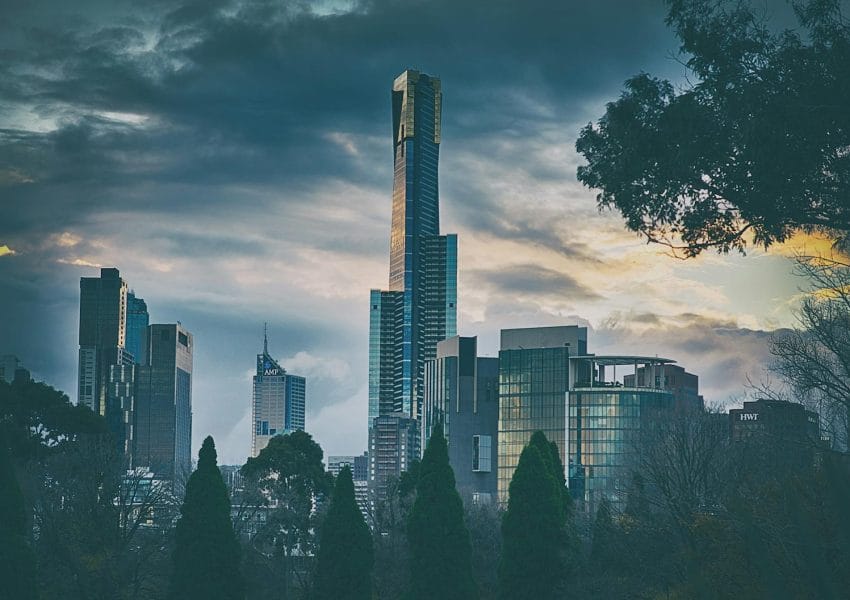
{"x": 420, "y": 307}
{"x": 279, "y": 401}
{"x": 533, "y": 382}
{"x": 163, "y": 411}
{"x": 103, "y": 328}
{"x": 462, "y": 393}
{"x": 138, "y": 320}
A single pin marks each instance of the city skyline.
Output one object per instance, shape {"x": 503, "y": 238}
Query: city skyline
{"x": 222, "y": 261}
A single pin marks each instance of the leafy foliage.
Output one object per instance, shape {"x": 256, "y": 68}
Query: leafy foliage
{"x": 206, "y": 552}
{"x": 532, "y": 565}
{"x": 346, "y": 556}
{"x": 760, "y": 143}
{"x": 441, "y": 563}
{"x": 17, "y": 559}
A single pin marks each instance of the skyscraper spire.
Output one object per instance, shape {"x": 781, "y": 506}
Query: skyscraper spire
{"x": 265, "y": 338}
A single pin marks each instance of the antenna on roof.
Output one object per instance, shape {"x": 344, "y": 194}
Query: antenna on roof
{"x": 265, "y": 338}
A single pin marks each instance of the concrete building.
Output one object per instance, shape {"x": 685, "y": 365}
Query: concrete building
{"x": 776, "y": 434}
{"x": 279, "y": 401}
{"x": 11, "y": 369}
{"x": 462, "y": 394}
{"x": 683, "y": 385}
{"x": 534, "y": 378}
{"x": 359, "y": 465}
{"x": 393, "y": 445}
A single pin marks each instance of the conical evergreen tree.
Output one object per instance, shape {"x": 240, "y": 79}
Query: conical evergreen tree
{"x": 441, "y": 555}
{"x": 206, "y": 552}
{"x": 17, "y": 560}
{"x": 552, "y": 457}
{"x": 346, "y": 556}
{"x": 532, "y": 565}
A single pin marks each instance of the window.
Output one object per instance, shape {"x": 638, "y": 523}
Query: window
{"x": 481, "y": 457}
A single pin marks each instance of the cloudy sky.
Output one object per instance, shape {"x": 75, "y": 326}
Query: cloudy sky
{"x": 234, "y": 160}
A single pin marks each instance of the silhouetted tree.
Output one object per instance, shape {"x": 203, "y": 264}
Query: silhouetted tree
{"x": 285, "y": 479}
{"x": 17, "y": 559}
{"x": 757, "y": 144}
{"x": 441, "y": 564}
{"x": 532, "y": 565}
{"x": 206, "y": 551}
{"x": 345, "y": 557}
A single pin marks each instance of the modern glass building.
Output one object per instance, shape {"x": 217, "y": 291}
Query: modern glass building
{"x": 163, "y": 412}
{"x": 138, "y": 320}
{"x": 279, "y": 401}
{"x": 606, "y": 420}
{"x": 462, "y": 394}
{"x": 103, "y": 330}
{"x": 534, "y": 377}
{"x": 420, "y": 307}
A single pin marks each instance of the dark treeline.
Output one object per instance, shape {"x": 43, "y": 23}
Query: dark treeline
{"x": 699, "y": 517}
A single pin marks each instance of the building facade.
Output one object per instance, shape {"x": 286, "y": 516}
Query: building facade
{"x": 683, "y": 385}
{"x": 534, "y": 379}
{"x": 607, "y": 422}
{"x": 279, "y": 401}
{"x": 462, "y": 395}
{"x": 420, "y": 307}
{"x": 393, "y": 445}
{"x": 138, "y": 320}
{"x": 102, "y": 335}
{"x": 11, "y": 369}
{"x": 163, "y": 411}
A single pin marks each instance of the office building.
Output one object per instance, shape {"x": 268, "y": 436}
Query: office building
{"x": 279, "y": 401}
{"x": 607, "y": 419}
{"x": 393, "y": 445}
{"x": 420, "y": 307}
{"x": 775, "y": 434}
{"x": 462, "y": 394}
{"x": 12, "y": 370}
{"x": 533, "y": 383}
{"x": 359, "y": 465}
{"x": 102, "y": 335}
{"x": 683, "y": 385}
{"x": 163, "y": 411}
{"x": 138, "y": 320}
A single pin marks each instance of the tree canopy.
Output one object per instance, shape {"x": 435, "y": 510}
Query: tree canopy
{"x": 758, "y": 145}
{"x": 206, "y": 551}
{"x": 346, "y": 555}
{"x": 441, "y": 555}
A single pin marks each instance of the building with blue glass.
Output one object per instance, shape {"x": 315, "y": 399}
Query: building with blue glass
{"x": 279, "y": 401}
{"x": 138, "y": 320}
{"x": 609, "y": 419}
{"x": 420, "y": 307}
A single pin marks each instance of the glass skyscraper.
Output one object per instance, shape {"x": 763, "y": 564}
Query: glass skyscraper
{"x": 138, "y": 320}
{"x": 279, "y": 401}
{"x": 534, "y": 377}
{"x": 163, "y": 412}
{"x": 420, "y": 307}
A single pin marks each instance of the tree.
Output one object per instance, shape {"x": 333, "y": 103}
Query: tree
{"x": 284, "y": 480}
{"x": 346, "y": 556}
{"x": 441, "y": 555}
{"x": 759, "y": 143}
{"x": 814, "y": 358}
{"x": 17, "y": 560}
{"x": 532, "y": 564}
{"x": 552, "y": 456}
{"x": 206, "y": 551}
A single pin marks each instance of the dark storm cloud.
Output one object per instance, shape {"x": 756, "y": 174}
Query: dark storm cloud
{"x": 535, "y": 281}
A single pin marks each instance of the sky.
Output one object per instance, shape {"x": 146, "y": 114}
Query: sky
{"x": 234, "y": 160}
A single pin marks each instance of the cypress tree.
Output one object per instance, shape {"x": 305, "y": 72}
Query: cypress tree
{"x": 532, "y": 565}
{"x": 206, "y": 553}
{"x": 17, "y": 559}
{"x": 346, "y": 556}
{"x": 552, "y": 457}
{"x": 441, "y": 554}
